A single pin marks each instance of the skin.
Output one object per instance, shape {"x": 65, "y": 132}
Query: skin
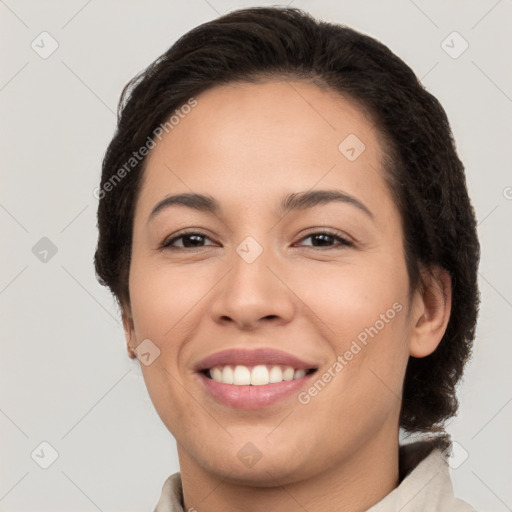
{"x": 249, "y": 145}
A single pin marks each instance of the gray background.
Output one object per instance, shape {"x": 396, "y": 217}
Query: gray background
{"x": 65, "y": 377}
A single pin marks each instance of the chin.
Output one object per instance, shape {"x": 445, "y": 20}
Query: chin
{"x": 260, "y": 463}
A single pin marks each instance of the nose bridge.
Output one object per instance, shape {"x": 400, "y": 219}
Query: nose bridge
{"x": 251, "y": 290}
{"x": 251, "y": 278}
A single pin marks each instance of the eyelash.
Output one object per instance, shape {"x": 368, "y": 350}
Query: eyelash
{"x": 167, "y": 244}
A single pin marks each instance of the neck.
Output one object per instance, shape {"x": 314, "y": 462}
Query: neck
{"x": 356, "y": 483}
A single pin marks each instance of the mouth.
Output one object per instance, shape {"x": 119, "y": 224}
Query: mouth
{"x": 258, "y": 387}
{"x": 257, "y": 375}
{"x": 244, "y": 378}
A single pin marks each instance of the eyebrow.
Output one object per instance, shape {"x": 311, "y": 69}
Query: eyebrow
{"x": 294, "y": 202}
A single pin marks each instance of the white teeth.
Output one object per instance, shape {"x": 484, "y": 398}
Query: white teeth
{"x": 275, "y": 374}
{"x": 259, "y": 375}
{"x": 288, "y": 373}
{"x": 241, "y": 376}
{"x": 227, "y": 375}
{"x": 299, "y": 374}
{"x": 216, "y": 374}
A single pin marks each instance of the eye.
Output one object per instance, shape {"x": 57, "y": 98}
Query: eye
{"x": 189, "y": 240}
{"x": 194, "y": 239}
{"x": 326, "y": 238}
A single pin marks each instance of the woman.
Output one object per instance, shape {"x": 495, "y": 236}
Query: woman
{"x": 285, "y": 224}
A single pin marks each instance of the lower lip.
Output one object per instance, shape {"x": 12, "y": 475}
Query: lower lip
{"x": 253, "y": 397}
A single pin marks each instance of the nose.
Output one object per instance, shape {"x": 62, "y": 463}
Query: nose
{"x": 253, "y": 294}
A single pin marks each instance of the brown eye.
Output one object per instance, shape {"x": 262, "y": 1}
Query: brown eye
{"x": 189, "y": 240}
{"x": 327, "y": 239}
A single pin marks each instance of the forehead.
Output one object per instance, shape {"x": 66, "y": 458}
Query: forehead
{"x": 252, "y": 138}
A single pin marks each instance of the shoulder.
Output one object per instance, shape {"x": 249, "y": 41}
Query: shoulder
{"x": 171, "y": 498}
{"x": 425, "y": 483}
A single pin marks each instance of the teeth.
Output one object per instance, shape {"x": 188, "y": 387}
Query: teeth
{"x": 259, "y": 375}
{"x": 241, "y": 376}
{"x": 275, "y": 374}
{"x": 299, "y": 374}
{"x": 227, "y": 375}
{"x": 288, "y": 373}
{"x": 217, "y": 374}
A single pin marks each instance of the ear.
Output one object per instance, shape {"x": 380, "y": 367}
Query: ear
{"x": 129, "y": 330}
{"x": 431, "y": 312}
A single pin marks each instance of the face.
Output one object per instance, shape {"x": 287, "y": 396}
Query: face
{"x": 323, "y": 281}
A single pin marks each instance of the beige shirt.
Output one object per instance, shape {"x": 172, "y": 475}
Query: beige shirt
{"x": 425, "y": 485}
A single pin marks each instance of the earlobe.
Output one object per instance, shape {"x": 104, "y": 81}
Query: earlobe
{"x": 433, "y": 306}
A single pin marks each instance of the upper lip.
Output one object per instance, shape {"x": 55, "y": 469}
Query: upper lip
{"x": 250, "y": 357}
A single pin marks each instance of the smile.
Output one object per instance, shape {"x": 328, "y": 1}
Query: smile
{"x": 253, "y": 378}
{"x": 252, "y": 387}
{"x": 259, "y": 375}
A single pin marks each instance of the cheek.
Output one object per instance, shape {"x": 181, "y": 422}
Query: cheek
{"x": 165, "y": 303}
{"x": 164, "y": 297}
{"x": 361, "y": 312}
{"x": 347, "y": 299}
